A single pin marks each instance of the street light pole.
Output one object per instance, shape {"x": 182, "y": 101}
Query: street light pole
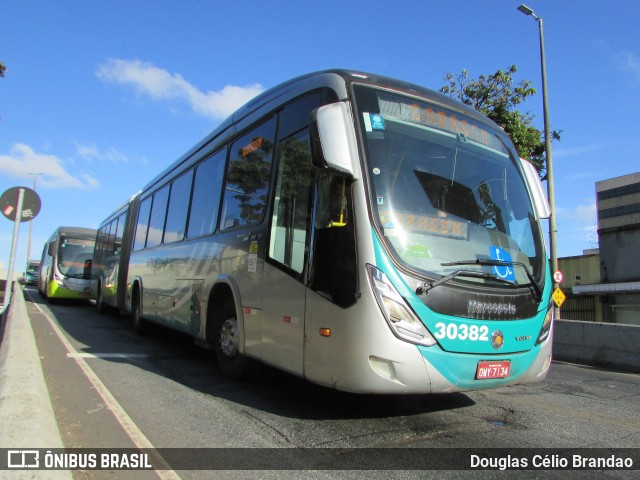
{"x": 35, "y": 175}
{"x": 553, "y": 252}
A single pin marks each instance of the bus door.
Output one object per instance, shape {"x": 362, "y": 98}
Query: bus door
{"x": 332, "y": 278}
{"x": 284, "y": 286}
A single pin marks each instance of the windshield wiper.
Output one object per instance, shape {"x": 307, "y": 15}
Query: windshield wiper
{"x": 425, "y": 287}
{"x": 501, "y": 263}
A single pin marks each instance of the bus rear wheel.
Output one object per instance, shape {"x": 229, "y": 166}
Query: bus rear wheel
{"x": 136, "y": 314}
{"x": 100, "y": 305}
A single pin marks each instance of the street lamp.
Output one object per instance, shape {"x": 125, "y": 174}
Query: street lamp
{"x": 35, "y": 175}
{"x": 553, "y": 253}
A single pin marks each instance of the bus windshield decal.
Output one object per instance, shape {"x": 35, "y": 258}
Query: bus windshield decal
{"x": 373, "y": 121}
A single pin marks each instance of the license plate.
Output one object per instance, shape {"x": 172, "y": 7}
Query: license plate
{"x": 488, "y": 369}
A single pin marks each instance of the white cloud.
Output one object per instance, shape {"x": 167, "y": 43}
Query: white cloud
{"x": 631, "y": 62}
{"x": 577, "y": 228}
{"x": 22, "y": 162}
{"x": 569, "y": 152}
{"x": 159, "y": 84}
{"x": 580, "y": 213}
{"x": 586, "y": 212}
{"x": 91, "y": 152}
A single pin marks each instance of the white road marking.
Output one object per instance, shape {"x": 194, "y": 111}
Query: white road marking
{"x": 131, "y": 429}
{"x": 105, "y": 355}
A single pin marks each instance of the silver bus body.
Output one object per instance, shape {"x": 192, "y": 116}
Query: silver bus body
{"x": 303, "y": 294}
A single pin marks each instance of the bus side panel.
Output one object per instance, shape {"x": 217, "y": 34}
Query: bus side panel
{"x": 178, "y": 278}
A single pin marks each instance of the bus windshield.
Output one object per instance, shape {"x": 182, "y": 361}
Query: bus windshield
{"x": 73, "y": 253}
{"x": 445, "y": 188}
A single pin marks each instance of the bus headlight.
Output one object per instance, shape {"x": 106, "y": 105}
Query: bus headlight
{"x": 546, "y": 327}
{"x": 403, "y": 322}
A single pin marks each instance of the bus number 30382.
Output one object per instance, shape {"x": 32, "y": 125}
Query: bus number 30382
{"x": 452, "y": 331}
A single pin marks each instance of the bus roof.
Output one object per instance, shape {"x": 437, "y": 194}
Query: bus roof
{"x": 340, "y": 80}
{"x": 75, "y": 231}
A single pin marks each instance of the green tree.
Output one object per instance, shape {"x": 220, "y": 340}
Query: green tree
{"x": 2, "y": 69}
{"x": 498, "y": 98}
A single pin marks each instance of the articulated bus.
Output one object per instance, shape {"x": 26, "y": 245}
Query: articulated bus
{"x": 110, "y": 278}
{"x": 65, "y": 266}
{"x": 361, "y": 232}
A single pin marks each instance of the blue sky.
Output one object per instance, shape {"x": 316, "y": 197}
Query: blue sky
{"x": 99, "y": 97}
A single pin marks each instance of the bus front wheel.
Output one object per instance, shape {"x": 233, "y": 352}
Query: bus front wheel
{"x": 226, "y": 337}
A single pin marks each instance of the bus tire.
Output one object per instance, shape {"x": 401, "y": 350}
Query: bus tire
{"x": 226, "y": 339}
{"x": 137, "y": 321}
{"x": 100, "y": 305}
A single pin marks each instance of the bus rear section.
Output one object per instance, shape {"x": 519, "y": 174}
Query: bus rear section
{"x": 65, "y": 267}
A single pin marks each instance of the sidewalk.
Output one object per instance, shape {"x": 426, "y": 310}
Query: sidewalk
{"x": 26, "y": 415}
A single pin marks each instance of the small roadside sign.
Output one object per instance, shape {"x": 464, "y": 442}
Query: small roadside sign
{"x": 558, "y": 297}
{"x": 557, "y": 276}
{"x": 30, "y": 206}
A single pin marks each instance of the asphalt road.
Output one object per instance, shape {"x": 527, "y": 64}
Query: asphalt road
{"x": 113, "y": 388}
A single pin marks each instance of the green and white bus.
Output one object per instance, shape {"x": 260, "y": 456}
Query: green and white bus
{"x": 65, "y": 266}
{"x": 362, "y": 232}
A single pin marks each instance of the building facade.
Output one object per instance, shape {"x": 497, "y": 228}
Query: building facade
{"x": 618, "y": 206}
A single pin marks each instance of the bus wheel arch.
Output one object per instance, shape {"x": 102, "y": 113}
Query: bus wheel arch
{"x": 224, "y": 333}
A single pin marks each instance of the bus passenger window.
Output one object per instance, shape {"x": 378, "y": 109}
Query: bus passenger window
{"x": 248, "y": 174}
{"x": 143, "y": 224}
{"x": 158, "y": 215}
{"x": 119, "y": 233}
{"x": 178, "y": 208}
{"x": 206, "y": 195}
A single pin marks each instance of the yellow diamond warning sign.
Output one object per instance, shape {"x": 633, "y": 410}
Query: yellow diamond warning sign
{"x": 558, "y": 297}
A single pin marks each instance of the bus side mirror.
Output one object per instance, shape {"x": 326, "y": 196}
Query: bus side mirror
{"x": 540, "y": 201}
{"x": 333, "y": 139}
{"x": 53, "y": 247}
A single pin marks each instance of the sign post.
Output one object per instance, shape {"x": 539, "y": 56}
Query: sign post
{"x": 16, "y": 204}
{"x": 558, "y": 295}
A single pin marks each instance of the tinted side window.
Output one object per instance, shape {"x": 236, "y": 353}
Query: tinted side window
{"x": 118, "y": 245}
{"x": 291, "y": 211}
{"x": 100, "y": 242}
{"x": 334, "y": 271}
{"x": 248, "y": 174}
{"x": 111, "y": 232}
{"x": 158, "y": 214}
{"x": 295, "y": 116}
{"x": 206, "y": 195}
{"x": 143, "y": 224}
{"x": 178, "y": 207}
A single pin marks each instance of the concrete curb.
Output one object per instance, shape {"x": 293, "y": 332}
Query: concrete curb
{"x": 27, "y": 419}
